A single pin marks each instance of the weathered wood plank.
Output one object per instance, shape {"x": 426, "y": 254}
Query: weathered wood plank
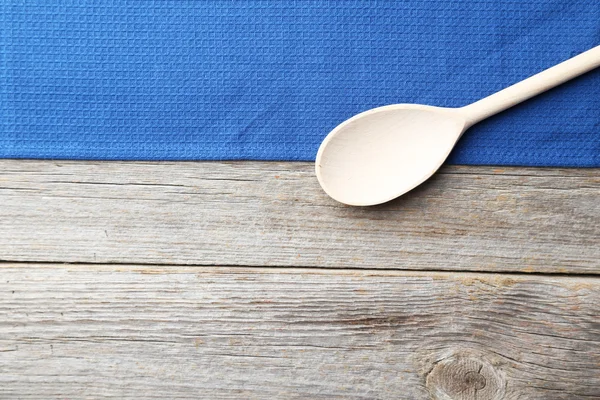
{"x": 275, "y": 214}
{"x": 95, "y": 331}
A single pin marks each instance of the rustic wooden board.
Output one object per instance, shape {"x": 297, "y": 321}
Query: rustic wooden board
{"x": 275, "y": 214}
{"x": 94, "y": 331}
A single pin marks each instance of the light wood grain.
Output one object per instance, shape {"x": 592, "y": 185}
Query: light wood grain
{"x": 275, "y": 214}
{"x": 96, "y": 331}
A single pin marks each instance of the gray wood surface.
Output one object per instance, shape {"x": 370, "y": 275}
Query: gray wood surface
{"x": 275, "y": 214}
{"x": 168, "y": 297}
{"x": 96, "y": 331}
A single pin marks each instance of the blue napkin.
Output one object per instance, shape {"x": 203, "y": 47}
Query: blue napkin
{"x": 267, "y": 80}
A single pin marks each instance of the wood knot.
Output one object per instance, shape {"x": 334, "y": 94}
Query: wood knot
{"x": 465, "y": 377}
{"x": 475, "y": 380}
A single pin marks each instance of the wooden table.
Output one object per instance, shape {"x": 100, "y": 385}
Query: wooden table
{"x": 243, "y": 280}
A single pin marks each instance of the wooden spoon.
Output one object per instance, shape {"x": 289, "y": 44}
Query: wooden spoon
{"x": 383, "y": 153}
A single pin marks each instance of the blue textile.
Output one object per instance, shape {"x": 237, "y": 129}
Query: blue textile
{"x": 208, "y": 80}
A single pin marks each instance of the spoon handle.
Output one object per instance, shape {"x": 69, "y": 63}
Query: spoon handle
{"x": 532, "y": 86}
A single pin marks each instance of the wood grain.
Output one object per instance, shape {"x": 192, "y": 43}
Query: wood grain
{"x": 275, "y": 214}
{"x": 99, "y": 331}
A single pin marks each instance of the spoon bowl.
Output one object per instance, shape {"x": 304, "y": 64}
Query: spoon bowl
{"x": 383, "y": 153}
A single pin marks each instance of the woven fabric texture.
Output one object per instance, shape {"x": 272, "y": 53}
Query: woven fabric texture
{"x": 267, "y": 80}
